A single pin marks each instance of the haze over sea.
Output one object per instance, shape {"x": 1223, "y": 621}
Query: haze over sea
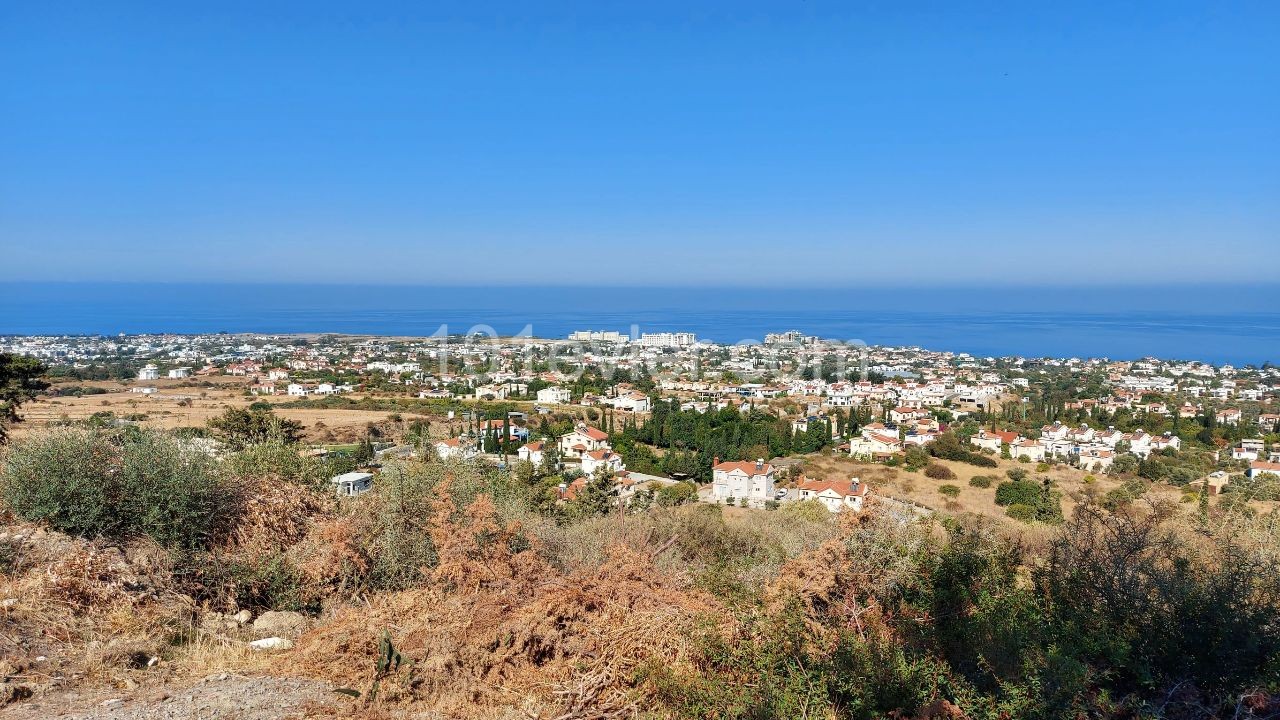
{"x": 1214, "y": 323}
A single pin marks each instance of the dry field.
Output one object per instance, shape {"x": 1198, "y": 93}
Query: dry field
{"x": 914, "y": 486}
{"x": 187, "y": 403}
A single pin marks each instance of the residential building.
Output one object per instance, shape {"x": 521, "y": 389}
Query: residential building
{"x": 584, "y": 438}
{"x": 593, "y": 460}
{"x": 744, "y": 479}
{"x": 455, "y": 449}
{"x": 836, "y": 495}
{"x": 555, "y": 396}
{"x": 532, "y": 452}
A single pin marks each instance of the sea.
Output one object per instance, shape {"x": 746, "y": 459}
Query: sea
{"x": 1220, "y": 324}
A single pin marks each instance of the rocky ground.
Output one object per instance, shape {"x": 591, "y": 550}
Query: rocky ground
{"x": 216, "y": 696}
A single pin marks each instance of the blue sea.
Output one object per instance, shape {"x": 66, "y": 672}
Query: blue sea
{"x": 1219, "y": 324}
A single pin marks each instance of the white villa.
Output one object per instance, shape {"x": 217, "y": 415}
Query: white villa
{"x": 837, "y": 495}
{"x": 596, "y": 459}
{"x": 555, "y": 396}
{"x": 532, "y": 452}
{"x": 583, "y": 439}
{"x": 745, "y": 479}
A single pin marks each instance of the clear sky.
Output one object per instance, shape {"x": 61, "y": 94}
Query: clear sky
{"x": 641, "y": 143}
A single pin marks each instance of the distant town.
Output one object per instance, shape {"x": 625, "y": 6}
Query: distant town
{"x": 588, "y": 403}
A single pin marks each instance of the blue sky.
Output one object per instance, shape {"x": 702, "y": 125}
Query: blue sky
{"x": 788, "y": 143}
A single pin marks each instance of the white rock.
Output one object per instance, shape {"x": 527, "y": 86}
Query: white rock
{"x": 243, "y": 617}
{"x": 272, "y": 643}
{"x": 113, "y": 702}
{"x": 8, "y": 603}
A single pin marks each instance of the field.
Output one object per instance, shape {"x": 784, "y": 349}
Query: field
{"x": 902, "y": 484}
{"x": 191, "y": 403}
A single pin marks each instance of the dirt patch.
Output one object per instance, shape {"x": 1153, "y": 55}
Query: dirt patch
{"x": 214, "y": 697}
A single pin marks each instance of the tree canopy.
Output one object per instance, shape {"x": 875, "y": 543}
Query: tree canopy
{"x": 20, "y": 381}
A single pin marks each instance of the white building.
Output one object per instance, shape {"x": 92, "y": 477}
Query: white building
{"x": 150, "y": 372}
{"x": 455, "y": 449}
{"x": 555, "y": 396}
{"x": 631, "y": 402}
{"x": 583, "y": 439}
{"x": 744, "y": 479}
{"x": 598, "y": 336}
{"x": 836, "y": 495}
{"x": 532, "y": 452}
{"x": 667, "y": 339}
{"x": 596, "y": 459}
{"x": 352, "y": 483}
{"x": 1258, "y": 467}
{"x": 179, "y": 373}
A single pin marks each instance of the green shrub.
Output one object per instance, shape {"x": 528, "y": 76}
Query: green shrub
{"x": 269, "y": 582}
{"x": 1017, "y": 492}
{"x": 981, "y": 481}
{"x": 678, "y": 494}
{"x": 91, "y": 482}
{"x": 1020, "y": 512}
{"x": 1042, "y": 467}
{"x": 951, "y": 491}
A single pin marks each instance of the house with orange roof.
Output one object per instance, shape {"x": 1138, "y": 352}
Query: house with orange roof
{"x": 532, "y": 452}
{"x": 455, "y": 449}
{"x": 1258, "y": 467}
{"x": 993, "y": 440}
{"x": 874, "y": 445}
{"x": 1228, "y": 416}
{"x": 742, "y": 479}
{"x": 593, "y": 460}
{"x": 583, "y": 439}
{"x": 836, "y": 495}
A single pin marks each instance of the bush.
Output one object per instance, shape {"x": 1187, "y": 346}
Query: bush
{"x": 1020, "y": 512}
{"x": 1042, "y": 467}
{"x": 1017, "y": 474}
{"x": 241, "y": 427}
{"x": 678, "y": 494}
{"x": 951, "y": 491}
{"x": 1017, "y": 492}
{"x": 1045, "y": 505}
{"x": 949, "y": 447}
{"x": 981, "y": 481}
{"x": 915, "y": 458}
{"x": 280, "y": 460}
{"x": 938, "y": 471}
{"x": 93, "y": 483}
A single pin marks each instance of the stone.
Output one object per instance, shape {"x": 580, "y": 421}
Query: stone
{"x": 243, "y": 617}
{"x": 280, "y": 624}
{"x": 272, "y": 643}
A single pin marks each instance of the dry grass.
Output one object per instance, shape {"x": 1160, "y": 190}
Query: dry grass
{"x": 914, "y": 486}
{"x": 504, "y": 631}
